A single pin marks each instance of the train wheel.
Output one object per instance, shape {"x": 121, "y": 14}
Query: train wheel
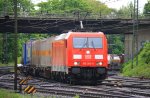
{"x": 52, "y": 76}
{"x": 63, "y": 78}
{"x": 71, "y": 81}
{"x": 33, "y": 72}
{"x": 36, "y": 72}
{"x": 59, "y": 76}
{"x": 55, "y": 76}
{"x": 67, "y": 78}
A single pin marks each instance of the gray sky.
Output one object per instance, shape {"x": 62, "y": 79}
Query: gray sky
{"x": 119, "y": 3}
{"x": 112, "y": 3}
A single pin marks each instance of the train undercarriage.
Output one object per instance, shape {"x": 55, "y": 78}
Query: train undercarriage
{"x": 75, "y": 75}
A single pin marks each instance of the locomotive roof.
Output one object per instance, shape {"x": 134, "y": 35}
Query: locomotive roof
{"x": 66, "y": 35}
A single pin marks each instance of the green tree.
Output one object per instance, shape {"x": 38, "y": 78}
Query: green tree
{"x": 126, "y": 11}
{"x": 116, "y": 45}
{"x": 55, "y": 6}
{"x": 7, "y": 6}
{"x": 147, "y": 9}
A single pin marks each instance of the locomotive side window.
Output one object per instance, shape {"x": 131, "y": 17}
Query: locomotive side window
{"x": 87, "y": 42}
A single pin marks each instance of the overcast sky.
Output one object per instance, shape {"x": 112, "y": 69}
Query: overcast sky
{"x": 119, "y": 3}
{"x": 112, "y": 3}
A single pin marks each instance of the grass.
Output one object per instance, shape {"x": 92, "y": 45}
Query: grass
{"x": 77, "y": 96}
{"x": 8, "y": 94}
{"x": 143, "y": 67}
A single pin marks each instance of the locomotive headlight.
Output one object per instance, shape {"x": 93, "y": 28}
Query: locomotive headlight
{"x": 87, "y": 52}
{"x": 76, "y": 63}
{"x": 99, "y": 63}
{"x": 98, "y": 56}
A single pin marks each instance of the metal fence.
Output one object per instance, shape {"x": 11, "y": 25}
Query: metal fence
{"x": 74, "y": 15}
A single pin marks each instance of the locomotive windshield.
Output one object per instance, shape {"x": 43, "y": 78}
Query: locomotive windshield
{"x": 87, "y": 42}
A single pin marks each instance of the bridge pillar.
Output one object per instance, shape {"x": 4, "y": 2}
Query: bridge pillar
{"x": 142, "y": 37}
{"x": 128, "y": 47}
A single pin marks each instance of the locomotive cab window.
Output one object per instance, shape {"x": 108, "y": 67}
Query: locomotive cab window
{"x": 87, "y": 42}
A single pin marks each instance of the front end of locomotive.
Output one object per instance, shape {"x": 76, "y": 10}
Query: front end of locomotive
{"x": 88, "y": 57}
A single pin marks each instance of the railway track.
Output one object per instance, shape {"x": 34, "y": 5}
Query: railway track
{"x": 113, "y": 87}
{"x": 6, "y": 67}
{"x": 5, "y": 70}
{"x": 128, "y": 82}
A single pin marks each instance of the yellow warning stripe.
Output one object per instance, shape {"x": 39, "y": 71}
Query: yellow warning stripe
{"x": 27, "y": 89}
{"x": 31, "y": 90}
{"x": 34, "y": 91}
{"x": 24, "y": 81}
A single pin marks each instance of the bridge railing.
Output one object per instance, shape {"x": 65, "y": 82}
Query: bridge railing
{"x": 77, "y": 16}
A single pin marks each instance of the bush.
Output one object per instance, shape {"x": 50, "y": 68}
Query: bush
{"x": 143, "y": 67}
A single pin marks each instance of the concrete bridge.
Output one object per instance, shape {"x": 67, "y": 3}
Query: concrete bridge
{"x": 142, "y": 36}
{"x": 59, "y": 25}
{"x": 46, "y": 22}
{"x": 56, "y": 26}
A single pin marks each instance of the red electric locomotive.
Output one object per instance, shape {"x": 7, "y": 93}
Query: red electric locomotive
{"x": 69, "y": 57}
